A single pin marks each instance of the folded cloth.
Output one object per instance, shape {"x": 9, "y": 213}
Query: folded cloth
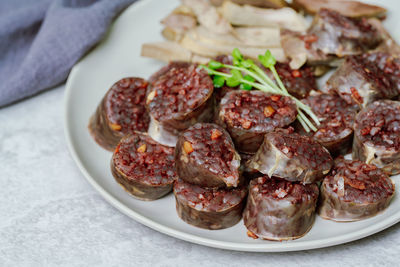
{"x": 40, "y": 41}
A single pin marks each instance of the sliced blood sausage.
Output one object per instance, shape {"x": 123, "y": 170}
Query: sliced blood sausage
{"x": 354, "y": 191}
{"x": 279, "y": 210}
{"x": 299, "y": 83}
{"x": 377, "y": 135}
{"x": 292, "y": 157}
{"x": 121, "y": 111}
{"x": 165, "y": 69}
{"x": 177, "y": 100}
{"x": 248, "y": 115}
{"x": 337, "y": 121}
{"x": 362, "y": 79}
{"x": 207, "y": 207}
{"x": 205, "y": 155}
{"x": 143, "y": 167}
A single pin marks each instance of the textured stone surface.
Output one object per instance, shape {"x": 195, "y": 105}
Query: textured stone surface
{"x": 50, "y": 215}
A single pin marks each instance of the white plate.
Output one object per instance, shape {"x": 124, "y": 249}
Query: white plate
{"x": 119, "y": 56}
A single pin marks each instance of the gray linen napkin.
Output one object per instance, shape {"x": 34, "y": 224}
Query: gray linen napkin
{"x": 40, "y": 41}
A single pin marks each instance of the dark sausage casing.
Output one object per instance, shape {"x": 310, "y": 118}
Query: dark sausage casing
{"x": 292, "y": 157}
{"x": 121, "y": 111}
{"x": 209, "y": 208}
{"x": 377, "y": 135}
{"x": 205, "y": 156}
{"x": 143, "y": 167}
{"x": 280, "y": 210}
{"x": 248, "y": 115}
{"x": 354, "y": 191}
{"x": 178, "y": 99}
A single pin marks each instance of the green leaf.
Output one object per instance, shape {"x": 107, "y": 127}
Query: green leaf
{"x": 234, "y": 80}
{"x": 236, "y": 54}
{"x": 247, "y": 63}
{"x": 244, "y": 86}
{"x": 267, "y": 60}
{"x": 215, "y": 64}
{"x": 218, "y": 81}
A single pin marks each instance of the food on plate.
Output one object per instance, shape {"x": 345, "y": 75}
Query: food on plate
{"x": 253, "y": 16}
{"x": 354, "y": 191}
{"x": 259, "y": 3}
{"x": 177, "y": 100}
{"x": 179, "y": 21}
{"x": 337, "y": 121}
{"x": 377, "y": 136}
{"x": 205, "y": 156}
{"x": 236, "y": 115}
{"x": 388, "y": 44}
{"x": 248, "y": 115}
{"x": 143, "y": 167}
{"x": 192, "y": 41}
{"x": 329, "y": 37}
{"x": 208, "y": 16}
{"x": 258, "y": 36}
{"x": 362, "y": 79}
{"x": 291, "y": 156}
{"x": 278, "y": 209}
{"x": 209, "y": 208}
{"x": 166, "y": 51}
{"x": 120, "y": 112}
{"x": 347, "y": 8}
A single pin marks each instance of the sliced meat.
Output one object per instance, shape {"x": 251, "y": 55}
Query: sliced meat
{"x": 377, "y": 136}
{"x": 209, "y": 208}
{"x": 121, "y": 111}
{"x": 330, "y": 36}
{"x": 205, "y": 156}
{"x": 354, "y": 191}
{"x": 248, "y": 115}
{"x": 339, "y": 35}
{"x": 279, "y": 210}
{"x": 388, "y": 44}
{"x": 143, "y": 167}
{"x": 362, "y": 79}
{"x": 293, "y": 157}
{"x": 177, "y": 100}
{"x": 353, "y": 9}
{"x": 337, "y": 121}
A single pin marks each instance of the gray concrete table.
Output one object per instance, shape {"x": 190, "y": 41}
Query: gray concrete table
{"x": 50, "y": 215}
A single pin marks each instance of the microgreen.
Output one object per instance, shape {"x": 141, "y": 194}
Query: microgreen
{"x": 247, "y": 74}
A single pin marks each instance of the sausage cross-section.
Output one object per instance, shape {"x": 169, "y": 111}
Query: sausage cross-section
{"x": 292, "y": 157}
{"x": 337, "y": 121}
{"x": 377, "y": 135}
{"x": 121, "y": 111}
{"x": 362, "y": 79}
{"x": 209, "y": 208}
{"x": 278, "y": 209}
{"x": 205, "y": 155}
{"x": 354, "y": 191}
{"x": 248, "y": 115}
{"x": 143, "y": 167}
{"x": 177, "y": 100}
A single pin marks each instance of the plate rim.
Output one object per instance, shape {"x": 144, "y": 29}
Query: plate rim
{"x": 237, "y": 246}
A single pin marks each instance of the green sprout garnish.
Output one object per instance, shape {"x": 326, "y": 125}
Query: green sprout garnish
{"x": 248, "y": 75}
